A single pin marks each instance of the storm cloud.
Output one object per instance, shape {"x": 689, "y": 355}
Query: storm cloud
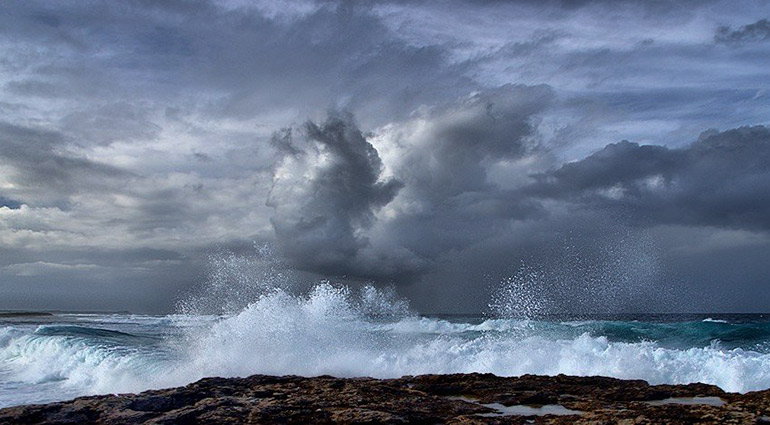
{"x": 758, "y": 31}
{"x": 339, "y": 210}
{"x": 326, "y": 190}
{"x": 447, "y": 155}
{"x": 429, "y": 146}
{"x": 722, "y": 179}
{"x": 44, "y": 172}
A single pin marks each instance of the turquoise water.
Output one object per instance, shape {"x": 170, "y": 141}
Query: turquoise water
{"x": 48, "y": 358}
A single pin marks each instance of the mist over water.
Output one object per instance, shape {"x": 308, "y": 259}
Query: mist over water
{"x": 254, "y": 316}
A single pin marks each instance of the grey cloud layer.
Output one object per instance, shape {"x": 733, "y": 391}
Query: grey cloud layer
{"x": 135, "y": 137}
{"x": 448, "y": 203}
{"x": 43, "y": 172}
{"x": 239, "y": 61}
{"x": 758, "y": 31}
{"x": 722, "y": 179}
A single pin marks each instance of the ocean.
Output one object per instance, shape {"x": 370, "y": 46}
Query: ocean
{"x": 343, "y": 332}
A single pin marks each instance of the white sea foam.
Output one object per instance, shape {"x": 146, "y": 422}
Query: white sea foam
{"x": 41, "y": 368}
{"x": 336, "y": 330}
{"x": 325, "y": 334}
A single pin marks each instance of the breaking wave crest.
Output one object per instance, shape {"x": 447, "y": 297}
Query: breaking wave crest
{"x": 52, "y": 363}
{"x": 327, "y": 333}
{"x": 337, "y": 330}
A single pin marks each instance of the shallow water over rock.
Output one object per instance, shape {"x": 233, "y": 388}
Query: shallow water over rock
{"x": 689, "y": 401}
{"x": 525, "y": 410}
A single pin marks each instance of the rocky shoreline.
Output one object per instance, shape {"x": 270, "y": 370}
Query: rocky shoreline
{"x": 425, "y": 399}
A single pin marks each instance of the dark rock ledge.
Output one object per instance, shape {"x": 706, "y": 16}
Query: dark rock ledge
{"x": 427, "y": 399}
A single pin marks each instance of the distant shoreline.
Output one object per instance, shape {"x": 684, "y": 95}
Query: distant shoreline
{"x": 32, "y": 313}
{"x": 25, "y": 314}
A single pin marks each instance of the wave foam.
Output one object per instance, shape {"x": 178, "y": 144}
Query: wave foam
{"x": 61, "y": 366}
{"x": 334, "y": 330}
{"x": 326, "y": 334}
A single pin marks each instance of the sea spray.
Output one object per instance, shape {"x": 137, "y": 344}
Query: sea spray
{"x": 322, "y": 334}
{"x": 328, "y": 332}
{"x": 234, "y": 280}
{"x": 520, "y": 295}
{"x": 326, "y": 327}
{"x": 331, "y": 328}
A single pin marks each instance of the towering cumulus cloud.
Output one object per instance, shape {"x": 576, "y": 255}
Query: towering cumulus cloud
{"x": 340, "y": 210}
{"x": 458, "y": 162}
{"x": 326, "y": 188}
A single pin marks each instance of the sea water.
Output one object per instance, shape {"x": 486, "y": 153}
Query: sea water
{"x": 332, "y": 329}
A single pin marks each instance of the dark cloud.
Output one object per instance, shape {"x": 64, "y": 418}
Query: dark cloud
{"x": 242, "y": 61}
{"x": 89, "y": 287}
{"x": 335, "y": 213}
{"x": 722, "y": 179}
{"x": 36, "y": 88}
{"x": 136, "y": 138}
{"x": 758, "y": 31}
{"x": 325, "y": 193}
{"x": 623, "y": 163}
{"x": 449, "y": 199}
{"x": 109, "y": 123}
{"x": 9, "y": 203}
{"x": 460, "y": 139}
{"x": 202, "y": 157}
{"x": 101, "y": 257}
{"x": 43, "y": 171}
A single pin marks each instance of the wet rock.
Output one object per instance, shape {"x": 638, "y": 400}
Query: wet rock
{"x": 455, "y": 399}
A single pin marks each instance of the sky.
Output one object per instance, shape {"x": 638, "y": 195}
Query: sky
{"x": 611, "y": 155}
